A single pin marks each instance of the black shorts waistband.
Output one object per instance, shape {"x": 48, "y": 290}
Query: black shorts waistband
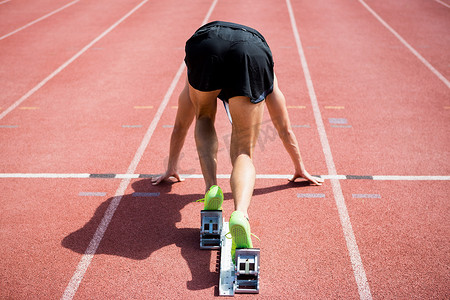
{"x": 232, "y": 26}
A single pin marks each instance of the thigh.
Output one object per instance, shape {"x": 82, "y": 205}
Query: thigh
{"x": 205, "y": 103}
{"x": 247, "y": 118}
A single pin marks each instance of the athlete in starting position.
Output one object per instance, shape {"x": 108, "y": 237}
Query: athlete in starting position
{"x": 234, "y": 63}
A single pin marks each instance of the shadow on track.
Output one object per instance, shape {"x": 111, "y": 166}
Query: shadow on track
{"x": 143, "y": 225}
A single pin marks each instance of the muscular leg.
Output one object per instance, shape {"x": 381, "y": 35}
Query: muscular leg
{"x": 205, "y": 104}
{"x": 247, "y": 119}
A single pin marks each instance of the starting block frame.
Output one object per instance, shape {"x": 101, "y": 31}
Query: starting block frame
{"x": 242, "y": 277}
{"x": 227, "y": 272}
{"x": 246, "y": 277}
{"x": 211, "y": 229}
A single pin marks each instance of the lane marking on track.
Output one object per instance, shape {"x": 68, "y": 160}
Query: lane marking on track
{"x": 337, "y": 120}
{"x": 443, "y": 3}
{"x": 68, "y": 62}
{"x": 334, "y": 107}
{"x": 9, "y": 126}
{"x": 87, "y": 257}
{"x": 221, "y": 176}
{"x": 360, "y": 196}
{"x": 300, "y": 195}
{"x": 3, "y": 2}
{"x": 301, "y": 126}
{"x": 407, "y": 45}
{"x": 107, "y": 175}
{"x": 142, "y": 194}
{"x": 92, "y": 194}
{"x": 353, "y": 251}
{"x": 28, "y": 108}
{"x": 412, "y": 178}
{"x": 45, "y": 175}
{"x": 39, "y": 19}
{"x": 359, "y": 177}
{"x": 131, "y": 126}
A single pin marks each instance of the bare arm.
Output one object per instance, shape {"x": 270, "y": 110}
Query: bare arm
{"x": 183, "y": 120}
{"x": 276, "y": 105}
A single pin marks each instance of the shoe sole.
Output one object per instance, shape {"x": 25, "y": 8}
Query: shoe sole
{"x": 213, "y": 204}
{"x": 241, "y": 239}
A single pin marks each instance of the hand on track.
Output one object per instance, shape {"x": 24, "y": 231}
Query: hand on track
{"x": 158, "y": 179}
{"x": 305, "y": 175}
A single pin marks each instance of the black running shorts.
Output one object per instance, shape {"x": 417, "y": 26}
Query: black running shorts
{"x": 232, "y": 58}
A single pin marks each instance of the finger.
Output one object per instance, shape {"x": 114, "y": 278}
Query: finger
{"x": 158, "y": 180}
{"x": 177, "y": 177}
{"x": 316, "y": 180}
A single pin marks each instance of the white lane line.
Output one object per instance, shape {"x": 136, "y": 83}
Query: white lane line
{"x": 3, "y": 2}
{"x": 221, "y": 176}
{"x": 362, "y": 196}
{"x": 87, "y": 257}
{"x": 68, "y": 62}
{"x": 438, "y": 1}
{"x": 408, "y": 46}
{"x": 259, "y": 176}
{"x": 413, "y": 178}
{"x": 92, "y": 194}
{"x": 355, "y": 256}
{"x": 301, "y": 195}
{"x": 131, "y": 176}
{"x": 39, "y": 19}
{"x": 44, "y": 175}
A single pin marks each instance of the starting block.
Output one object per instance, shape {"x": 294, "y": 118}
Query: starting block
{"x": 242, "y": 277}
{"x": 211, "y": 229}
{"x": 246, "y": 276}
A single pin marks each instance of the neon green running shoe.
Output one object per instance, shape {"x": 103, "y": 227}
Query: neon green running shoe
{"x": 213, "y": 198}
{"x": 240, "y": 232}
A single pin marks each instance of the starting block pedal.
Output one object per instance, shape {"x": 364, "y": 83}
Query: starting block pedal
{"x": 246, "y": 276}
{"x": 211, "y": 229}
{"x": 242, "y": 277}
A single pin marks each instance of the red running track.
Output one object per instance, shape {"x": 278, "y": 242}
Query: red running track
{"x": 88, "y": 90}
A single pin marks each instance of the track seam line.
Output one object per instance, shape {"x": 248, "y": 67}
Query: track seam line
{"x": 38, "y": 19}
{"x": 101, "y": 229}
{"x": 352, "y": 247}
{"x": 406, "y": 44}
{"x": 68, "y": 62}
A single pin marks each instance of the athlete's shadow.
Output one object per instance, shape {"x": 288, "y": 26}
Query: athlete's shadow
{"x": 143, "y": 224}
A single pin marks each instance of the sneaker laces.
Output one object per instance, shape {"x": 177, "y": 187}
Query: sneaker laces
{"x": 201, "y": 200}
{"x": 230, "y": 237}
